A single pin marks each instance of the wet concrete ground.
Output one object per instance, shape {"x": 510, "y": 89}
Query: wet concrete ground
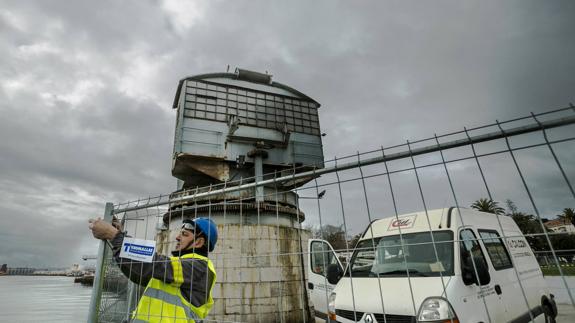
{"x": 564, "y": 308}
{"x": 566, "y": 313}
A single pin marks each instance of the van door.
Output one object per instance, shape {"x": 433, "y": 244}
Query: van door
{"x": 485, "y": 297}
{"x": 320, "y": 256}
{"x": 505, "y": 280}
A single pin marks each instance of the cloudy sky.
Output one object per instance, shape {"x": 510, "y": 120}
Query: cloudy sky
{"x": 86, "y": 89}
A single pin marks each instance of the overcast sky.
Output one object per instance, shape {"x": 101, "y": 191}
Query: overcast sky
{"x": 86, "y": 89}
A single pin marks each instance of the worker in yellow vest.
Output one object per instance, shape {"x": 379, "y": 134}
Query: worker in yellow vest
{"x": 178, "y": 288}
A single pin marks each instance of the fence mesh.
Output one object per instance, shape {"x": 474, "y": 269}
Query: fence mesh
{"x": 394, "y": 229}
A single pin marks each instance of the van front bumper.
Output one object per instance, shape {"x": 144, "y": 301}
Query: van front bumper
{"x": 347, "y": 316}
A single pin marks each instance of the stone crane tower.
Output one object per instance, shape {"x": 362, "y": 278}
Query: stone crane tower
{"x": 234, "y": 128}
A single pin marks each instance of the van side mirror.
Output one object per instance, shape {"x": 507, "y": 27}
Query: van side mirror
{"x": 468, "y": 273}
{"x": 334, "y": 273}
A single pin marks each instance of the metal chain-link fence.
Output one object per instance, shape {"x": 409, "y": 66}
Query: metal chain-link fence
{"x": 389, "y": 235}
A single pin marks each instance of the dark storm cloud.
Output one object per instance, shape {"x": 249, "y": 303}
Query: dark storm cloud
{"x": 83, "y": 145}
{"x": 86, "y": 91}
{"x": 418, "y": 69}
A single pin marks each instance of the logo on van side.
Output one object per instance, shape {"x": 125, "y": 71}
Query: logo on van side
{"x": 516, "y": 243}
{"x": 519, "y": 248}
{"x": 403, "y": 222}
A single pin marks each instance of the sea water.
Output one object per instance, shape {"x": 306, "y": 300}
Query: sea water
{"x": 43, "y": 299}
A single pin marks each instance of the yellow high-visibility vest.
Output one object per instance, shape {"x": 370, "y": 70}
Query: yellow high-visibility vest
{"x": 163, "y": 302}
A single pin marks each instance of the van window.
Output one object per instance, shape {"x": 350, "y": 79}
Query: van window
{"x": 393, "y": 256}
{"x": 495, "y": 249}
{"x": 321, "y": 257}
{"x": 469, "y": 244}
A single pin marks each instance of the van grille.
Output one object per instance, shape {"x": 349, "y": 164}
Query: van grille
{"x": 389, "y": 318}
{"x": 349, "y": 314}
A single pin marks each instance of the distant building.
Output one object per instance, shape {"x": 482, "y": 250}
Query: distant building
{"x": 21, "y": 271}
{"x": 560, "y": 226}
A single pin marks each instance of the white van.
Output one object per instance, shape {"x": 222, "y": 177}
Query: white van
{"x": 400, "y": 272}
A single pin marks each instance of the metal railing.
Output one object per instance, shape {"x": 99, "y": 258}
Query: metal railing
{"x": 525, "y": 164}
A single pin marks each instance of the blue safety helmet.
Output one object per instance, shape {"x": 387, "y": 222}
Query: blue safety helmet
{"x": 206, "y": 226}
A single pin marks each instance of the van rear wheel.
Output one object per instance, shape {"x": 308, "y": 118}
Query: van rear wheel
{"x": 548, "y": 312}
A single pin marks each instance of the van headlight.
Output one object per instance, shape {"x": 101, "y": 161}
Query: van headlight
{"x": 436, "y": 309}
{"x": 331, "y": 306}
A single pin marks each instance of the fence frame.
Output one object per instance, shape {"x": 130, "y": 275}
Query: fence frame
{"x": 257, "y": 181}
{"x": 103, "y": 251}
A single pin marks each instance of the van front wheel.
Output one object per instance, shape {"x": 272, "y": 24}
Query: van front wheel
{"x": 548, "y": 312}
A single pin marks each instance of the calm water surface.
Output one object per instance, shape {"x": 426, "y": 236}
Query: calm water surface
{"x": 59, "y": 299}
{"x": 43, "y": 299}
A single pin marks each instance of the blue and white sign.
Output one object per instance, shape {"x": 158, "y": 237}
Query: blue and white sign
{"x": 138, "y": 249}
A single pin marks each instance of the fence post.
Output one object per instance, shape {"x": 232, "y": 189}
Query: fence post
{"x": 98, "y": 279}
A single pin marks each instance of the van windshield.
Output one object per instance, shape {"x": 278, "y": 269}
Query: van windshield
{"x": 389, "y": 257}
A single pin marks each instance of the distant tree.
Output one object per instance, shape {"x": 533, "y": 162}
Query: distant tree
{"x": 529, "y": 225}
{"x": 333, "y": 234}
{"x": 564, "y": 245}
{"x": 531, "y": 228}
{"x": 312, "y": 229}
{"x": 352, "y": 242}
{"x": 568, "y": 215}
{"x": 511, "y": 206}
{"x": 487, "y": 205}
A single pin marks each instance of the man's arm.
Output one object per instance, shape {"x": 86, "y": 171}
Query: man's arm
{"x": 141, "y": 272}
{"x": 137, "y": 271}
{"x": 197, "y": 281}
{"x": 197, "y": 278}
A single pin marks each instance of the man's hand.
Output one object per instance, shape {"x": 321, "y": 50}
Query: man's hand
{"x": 102, "y": 230}
{"x": 117, "y": 224}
